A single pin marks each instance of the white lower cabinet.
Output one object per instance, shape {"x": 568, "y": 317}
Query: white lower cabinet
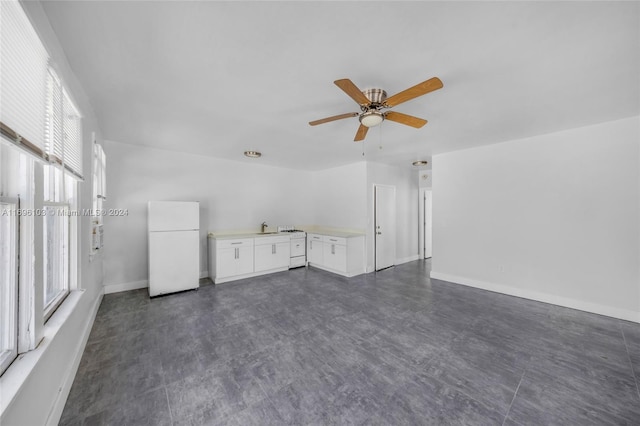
{"x": 229, "y": 258}
{"x": 315, "y": 248}
{"x": 339, "y": 254}
{"x": 335, "y": 256}
{"x": 272, "y": 253}
{"x": 235, "y": 258}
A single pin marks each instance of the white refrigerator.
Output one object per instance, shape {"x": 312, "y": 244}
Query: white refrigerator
{"x": 174, "y": 246}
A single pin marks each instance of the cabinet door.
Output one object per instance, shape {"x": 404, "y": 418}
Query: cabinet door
{"x": 340, "y": 258}
{"x": 314, "y": 252}
{"x": 335, "y": 257}
{"x": 328, "y": 255}
{"x": 226, "y": 262}
{"x": 264, "y": 257}
{"x": 244, "y": 262}
{"x": 282, "y": 255}
{"x": 271, "y": 256}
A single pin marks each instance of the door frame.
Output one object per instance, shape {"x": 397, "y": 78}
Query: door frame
{"x": 421, "y": 223}
{"x": 375, "y": 239}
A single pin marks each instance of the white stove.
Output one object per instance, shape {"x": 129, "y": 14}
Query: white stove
{"x": 298, "y": 246}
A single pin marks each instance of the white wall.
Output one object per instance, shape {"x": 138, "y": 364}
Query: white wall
{"x": 233, "y": 196}
{"x": 239, "y": 196}
{"x": 554, "y": 218}
{"x": 44, "y": 376}
{"x": 407, "y": 197}
{"x": 340, "y": 197}
{"x": 425, "y": 178}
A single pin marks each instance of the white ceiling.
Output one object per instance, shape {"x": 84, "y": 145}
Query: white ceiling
{"x": 218, "y": 78}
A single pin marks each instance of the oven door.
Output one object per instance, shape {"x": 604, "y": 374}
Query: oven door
{"x": 298, "y": 247}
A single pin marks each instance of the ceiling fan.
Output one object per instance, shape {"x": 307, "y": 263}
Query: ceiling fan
{"x": 373, "y": 102}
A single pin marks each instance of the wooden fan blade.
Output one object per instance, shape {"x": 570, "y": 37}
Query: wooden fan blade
{"x": 352, "y": 90}
{"x": 361, "y": 133}
{"x": 409, "y": 120}
{"x": 334, "y": 118}
{"x": 415, "y": 91}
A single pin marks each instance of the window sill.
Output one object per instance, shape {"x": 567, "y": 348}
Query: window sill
{"x": 19, "y": 371}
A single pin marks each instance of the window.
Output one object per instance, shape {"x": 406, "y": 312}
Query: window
{"x": 23, "y": 74}
{"x": 56, "y": 255}
{"x": 63, "y": 148}
{"x": 8, "y": 281}
{"x": 40, "y": 170}
{"x": 99, "y": 196}
{"x": 63, "y": 140}
{"x": 57, "y": 228}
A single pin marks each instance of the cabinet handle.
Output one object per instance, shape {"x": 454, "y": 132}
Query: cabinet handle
{"x": 310, "y": 245}
{"x": 236, "y": 243}
{"x": 273, "y": 249}
{"x": 333, "y": 249}
{"x": 331, "y": 239}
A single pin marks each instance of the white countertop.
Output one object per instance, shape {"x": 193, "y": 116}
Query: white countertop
{"x": 319, "y": 231}
{"x": 247, "y": 235}
{"x": 331, "y": 233}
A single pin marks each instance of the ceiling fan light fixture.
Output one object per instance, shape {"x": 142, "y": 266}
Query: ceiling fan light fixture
{"x": 371, "y": 118}
{"x": 252, "y": 154}
{"x": 420, "y": 163}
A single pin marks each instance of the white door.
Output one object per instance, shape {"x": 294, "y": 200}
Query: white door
{"x": 385, "y": 226}
{"x": 428, "y": 199}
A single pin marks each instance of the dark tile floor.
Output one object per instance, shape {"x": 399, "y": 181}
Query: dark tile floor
{"x": 392, "y": 348}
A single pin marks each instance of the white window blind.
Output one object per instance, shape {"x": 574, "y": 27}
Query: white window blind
{"x": 72, "y": 134}
{"x": 23, "y": 76}
{"x": 53, "y": 139}
{"x": 63, "y": 142}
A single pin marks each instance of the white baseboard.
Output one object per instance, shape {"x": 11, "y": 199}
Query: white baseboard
{"x": 58, "y": 406}
{"x": 349, "y": 274}
{"x": 566, "y": 302}
{"x": 407, "y": 259}
{"x": 117, "y": 288}
{"x": 135, "y": 285}
{"x": 250, "y": 275}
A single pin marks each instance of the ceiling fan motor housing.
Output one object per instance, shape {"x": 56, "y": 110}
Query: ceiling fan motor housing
{"x": 376, "y": 96}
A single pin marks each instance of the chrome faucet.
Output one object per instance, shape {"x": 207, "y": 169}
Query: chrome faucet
{"x": 264, "y": 226}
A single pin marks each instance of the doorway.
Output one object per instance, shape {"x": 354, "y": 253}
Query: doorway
{"x": 426, "y": 230}
{"x": 384, "y": 226}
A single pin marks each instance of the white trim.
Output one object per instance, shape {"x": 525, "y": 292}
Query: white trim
{"x": 553, "y": 299}
{"x": 117, "y": 288}
{"x": 135, "y": 285}
{"x": 407, "y": 259}
{"x": 334, "y": 271}
{"x": 58, "y": 406}
{"x": 249, "y": 275}
{"x": 18, "y": 373}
